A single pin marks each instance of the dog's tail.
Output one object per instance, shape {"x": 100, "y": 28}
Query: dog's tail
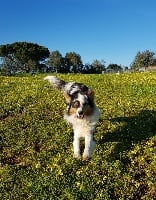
{"x": 56, "y": 82}
{"x": 69, "y": 88}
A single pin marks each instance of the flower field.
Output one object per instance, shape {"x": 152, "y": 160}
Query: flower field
{"x": 36, "y": 157}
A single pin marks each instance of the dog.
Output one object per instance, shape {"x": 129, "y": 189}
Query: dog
{"x": 81, "y": 113}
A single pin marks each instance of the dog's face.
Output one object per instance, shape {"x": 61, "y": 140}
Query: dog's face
{"x": 80, "y": 105}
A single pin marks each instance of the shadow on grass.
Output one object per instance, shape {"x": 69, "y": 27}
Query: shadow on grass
{"x": 135, "y": 130}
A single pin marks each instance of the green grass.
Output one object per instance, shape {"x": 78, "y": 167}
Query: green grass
{"x": 36, "y": 157}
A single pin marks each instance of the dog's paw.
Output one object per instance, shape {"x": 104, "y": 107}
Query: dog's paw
{"x": 77, "y": 156}
{"x": 85, "y": 158}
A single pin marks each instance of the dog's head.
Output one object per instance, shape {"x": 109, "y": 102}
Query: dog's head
{"x": 79, "y": 98}
{"x": 81, "y": 104}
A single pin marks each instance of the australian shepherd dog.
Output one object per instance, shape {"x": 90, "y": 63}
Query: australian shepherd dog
{"x": 81, "y": 113}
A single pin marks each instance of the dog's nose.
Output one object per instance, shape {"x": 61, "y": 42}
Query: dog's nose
{"x": 80, "y": 112}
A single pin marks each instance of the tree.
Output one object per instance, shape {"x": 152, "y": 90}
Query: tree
{"x": 97, "y": 66}
{"x": 86, "y": 69}
{"x": 56, "y": 60}
{"x": 114, "y": 67}
{"x": 73, "y": 61}
{"x": 143, "y": 59}
{"x": 154, "y": 61}
{"x": 18, "y": 55}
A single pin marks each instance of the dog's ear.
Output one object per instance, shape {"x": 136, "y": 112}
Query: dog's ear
{"x": 67, "y": 97}
{"x": 90, "y": 94}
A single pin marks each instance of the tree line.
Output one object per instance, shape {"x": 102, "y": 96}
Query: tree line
{"x": 29, "y": 57}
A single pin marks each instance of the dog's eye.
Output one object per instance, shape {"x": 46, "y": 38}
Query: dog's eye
{"x": 75, "y": 104}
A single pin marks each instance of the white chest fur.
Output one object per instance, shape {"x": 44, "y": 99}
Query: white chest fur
{"x": 83, "y": 128}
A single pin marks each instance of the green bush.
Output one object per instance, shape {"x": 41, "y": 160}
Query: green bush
{"x": 36, "y": 160}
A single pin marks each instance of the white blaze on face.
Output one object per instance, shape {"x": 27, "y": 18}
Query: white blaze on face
{"x": 83, "y": 100}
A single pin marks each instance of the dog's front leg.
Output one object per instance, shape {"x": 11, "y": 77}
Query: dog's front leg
{"x": 76, "y": 145}
{"x": 89, "y": 146}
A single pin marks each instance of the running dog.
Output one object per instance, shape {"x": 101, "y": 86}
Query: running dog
{"x": 81, "y": 113}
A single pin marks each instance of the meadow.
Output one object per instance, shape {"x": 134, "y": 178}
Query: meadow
{"x": 36, "y": 157}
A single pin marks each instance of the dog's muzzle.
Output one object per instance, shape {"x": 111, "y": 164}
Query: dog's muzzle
{"x": 80, "y": 115}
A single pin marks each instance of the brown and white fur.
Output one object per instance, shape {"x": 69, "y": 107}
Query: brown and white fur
{"x": 81, "y": 113}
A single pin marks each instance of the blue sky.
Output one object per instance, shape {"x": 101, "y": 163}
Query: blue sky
{"x": 109, "y": 30}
